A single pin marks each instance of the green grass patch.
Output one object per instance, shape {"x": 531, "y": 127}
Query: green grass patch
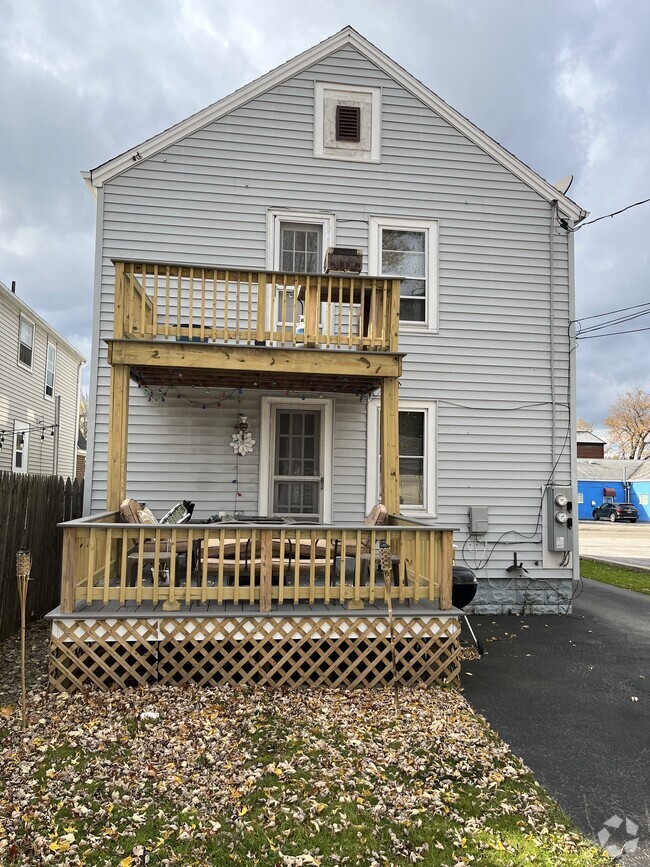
{"x": 275, "y": 779}
{"x": 619, "y": 576}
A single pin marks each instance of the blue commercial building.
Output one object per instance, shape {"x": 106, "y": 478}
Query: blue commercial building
{"x": 605, "y": 480}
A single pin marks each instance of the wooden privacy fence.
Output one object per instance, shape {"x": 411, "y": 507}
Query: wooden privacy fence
{"x": 107, "y": 561}
{"x": 255, "y": 307}
{"x": 30, "y": 509}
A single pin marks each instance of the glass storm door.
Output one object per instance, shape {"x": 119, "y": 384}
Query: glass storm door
{"x": 297, "y": 481}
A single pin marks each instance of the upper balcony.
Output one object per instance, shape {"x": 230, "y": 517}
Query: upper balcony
{"x": 263, "y": 328}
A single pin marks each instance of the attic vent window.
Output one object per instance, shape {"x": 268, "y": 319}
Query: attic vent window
{"x": 348, "y": 123}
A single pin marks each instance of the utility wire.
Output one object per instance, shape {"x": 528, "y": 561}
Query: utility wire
{"x": 611, "y": 312}
{"x": 611, "y": 333}
{"x": 565, "y": 225}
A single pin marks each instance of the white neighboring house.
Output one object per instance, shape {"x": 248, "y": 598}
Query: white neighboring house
{"x": 342, "y": 147}
{"x": 39, "y": 392}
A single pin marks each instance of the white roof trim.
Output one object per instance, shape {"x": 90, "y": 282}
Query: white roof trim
{"x": 346, "y": 37}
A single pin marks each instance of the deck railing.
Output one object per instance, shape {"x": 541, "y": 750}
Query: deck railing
{"x": 248, "y": 307}
{"x": 105, "y": 561}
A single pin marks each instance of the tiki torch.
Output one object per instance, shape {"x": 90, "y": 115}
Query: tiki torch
{"x": 23, "y": 569}
{"x": 386, "y": 566}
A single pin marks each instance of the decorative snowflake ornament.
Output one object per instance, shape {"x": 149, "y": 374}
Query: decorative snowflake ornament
{"x": 242, "y": 443}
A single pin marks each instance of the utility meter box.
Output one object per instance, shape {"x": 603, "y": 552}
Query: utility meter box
{"x": 560, "y": 518}
{"x": 478, "y": 520}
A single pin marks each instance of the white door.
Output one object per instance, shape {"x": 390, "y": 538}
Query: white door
{"x": 297, "y": 482}
{"x": 296, "y": 457}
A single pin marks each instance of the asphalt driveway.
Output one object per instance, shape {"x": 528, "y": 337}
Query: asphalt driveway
{"x": 622, "y": 542}
{"x": 571, "y": 695}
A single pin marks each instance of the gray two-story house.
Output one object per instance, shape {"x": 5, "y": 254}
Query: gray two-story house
{"x": 327, "y": 296}
{"x": 39, "y": 392}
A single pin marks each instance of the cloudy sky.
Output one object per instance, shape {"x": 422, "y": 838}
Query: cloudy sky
{"x": 565, "y": 86}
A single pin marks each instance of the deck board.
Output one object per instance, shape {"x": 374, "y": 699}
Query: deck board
{"x": 145, "y": 610}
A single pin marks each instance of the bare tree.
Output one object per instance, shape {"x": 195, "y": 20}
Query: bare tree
{"x": 83, "y": 414}
{"x": 628, "y": 423}
{"x": 583, "y": 425}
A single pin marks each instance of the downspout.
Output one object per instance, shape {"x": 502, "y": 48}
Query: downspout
{"x": 57, "y": 427}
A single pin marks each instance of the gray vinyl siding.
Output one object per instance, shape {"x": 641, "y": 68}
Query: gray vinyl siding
{"x": 22, "y": 394}
{"x": 205, "y": 201}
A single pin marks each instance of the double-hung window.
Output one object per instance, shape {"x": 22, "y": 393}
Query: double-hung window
{"x": 417, "y": 456}
{"x": 26, "y": 342}
{"x": 50, "y": 370}
{"x": 407, "y": 249}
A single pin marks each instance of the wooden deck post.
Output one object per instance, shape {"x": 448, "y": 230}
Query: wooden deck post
{"x": 266, "y": 567}
{"x": 118, "y": 424}
{"x": 390, "y": 444}
{"x": 261, "y": 308}
{"x": 312, "y": 311}
{"x": 447, "y": 557}
{"x": 69, "y": 571}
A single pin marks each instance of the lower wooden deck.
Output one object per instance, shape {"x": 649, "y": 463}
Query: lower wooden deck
{"x": 295, "y": 645}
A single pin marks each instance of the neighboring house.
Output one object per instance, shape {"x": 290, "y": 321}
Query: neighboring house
{"x": 210, "y": 305}
{"x": 39, "y": 392}
{"x": 589, "y": 445}
{"x": 617, "y": 481}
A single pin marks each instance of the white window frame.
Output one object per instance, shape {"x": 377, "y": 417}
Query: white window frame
{"x": 430, "y": 227}
{"x": 323, "y": 90}
{"x": 30, "y": 322}
{"x": 429, "y": 508}
{"x": 274, "y": 220}
{"x": 268, "y": 405}
{"x": 20, "y": 428}
{"x": 50, "y": 346}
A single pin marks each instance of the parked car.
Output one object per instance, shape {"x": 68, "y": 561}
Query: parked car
{"x": 616, "y": 512}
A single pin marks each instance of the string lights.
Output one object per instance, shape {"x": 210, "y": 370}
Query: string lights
{"x": 20, "y": 434}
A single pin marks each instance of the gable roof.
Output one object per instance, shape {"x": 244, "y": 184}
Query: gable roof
{"x": 20, "y": 306}
{"x": 586, "y": 436}
{"x": 347, "y": 37}
{"x": 612, "y": 470}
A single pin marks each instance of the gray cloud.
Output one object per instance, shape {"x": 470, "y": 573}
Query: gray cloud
{"x": 564, "y": 86}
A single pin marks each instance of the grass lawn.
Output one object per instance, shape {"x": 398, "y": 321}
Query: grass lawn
{"x": 630, "y": 579}
{"x": 217, "y": 776}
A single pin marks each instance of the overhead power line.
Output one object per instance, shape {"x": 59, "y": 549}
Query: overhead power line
{"x": 565, "y": 224}
{"x": 611, "y": 333}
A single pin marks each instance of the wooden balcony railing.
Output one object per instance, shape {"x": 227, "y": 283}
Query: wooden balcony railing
{"x": 176, "y": 302}
{"x": 106, "y": 561}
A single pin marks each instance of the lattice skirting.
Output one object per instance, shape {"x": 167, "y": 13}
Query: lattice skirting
{"x": 288, "y": 651}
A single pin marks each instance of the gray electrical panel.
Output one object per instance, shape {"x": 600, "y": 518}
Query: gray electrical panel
{"x": 478, "y": 520}
{"x": 560, "y": 518}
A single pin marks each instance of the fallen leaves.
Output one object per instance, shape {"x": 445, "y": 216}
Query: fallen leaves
{"x": 197, "y": 776}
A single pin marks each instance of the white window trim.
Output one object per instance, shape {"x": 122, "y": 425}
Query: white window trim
{"x": 47, "y": 355}
{"x": 20, "y": 428}
{"x": 320, "y": 88}
{"x": 274, "y": 218}
{"x": 430, "y": 409}
{"x": 267, "y": 405}
{"x": 22, "y": 364}
{"x": 375, "y": 225}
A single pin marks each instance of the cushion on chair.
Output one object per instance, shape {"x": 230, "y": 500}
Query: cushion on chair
{"x": 146, "y": 516}
{"x": 129, "y": 509}
{"x": 378, "y": 515}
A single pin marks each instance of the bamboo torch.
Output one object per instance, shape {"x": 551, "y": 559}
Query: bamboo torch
{"x": 23, "y": 569}
{"x": 386, "y": 566}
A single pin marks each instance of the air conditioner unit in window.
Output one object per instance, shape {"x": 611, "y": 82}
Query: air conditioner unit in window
{"x": 343, "y": 260}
